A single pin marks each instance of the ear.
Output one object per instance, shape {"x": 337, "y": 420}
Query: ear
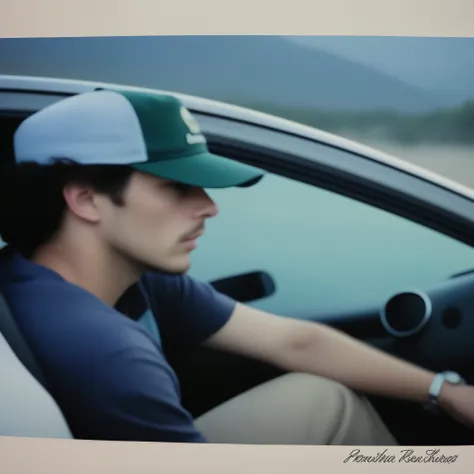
{"x": 81, "y": 201}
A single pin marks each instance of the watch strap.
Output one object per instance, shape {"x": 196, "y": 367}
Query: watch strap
{"x": 436, "y": 385}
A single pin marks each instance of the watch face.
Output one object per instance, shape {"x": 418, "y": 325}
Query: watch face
{"x": 453, "y": 377}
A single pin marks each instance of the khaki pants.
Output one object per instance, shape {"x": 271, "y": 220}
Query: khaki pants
{"x": 297, "y": 409}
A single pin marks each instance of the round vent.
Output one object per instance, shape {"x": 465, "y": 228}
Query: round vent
{"x": 405, "y": 314}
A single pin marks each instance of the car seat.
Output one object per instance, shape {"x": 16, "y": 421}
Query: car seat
{"x": 26, "y": 408}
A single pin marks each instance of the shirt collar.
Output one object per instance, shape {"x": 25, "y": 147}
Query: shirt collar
{"x": 16, "y": 268}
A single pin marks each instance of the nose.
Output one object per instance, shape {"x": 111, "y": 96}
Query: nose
{"x": 206, "y": 207}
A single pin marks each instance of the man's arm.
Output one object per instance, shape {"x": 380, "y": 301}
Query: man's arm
{"x": 302, "y": 346}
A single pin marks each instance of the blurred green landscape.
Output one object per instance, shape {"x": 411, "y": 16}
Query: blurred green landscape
{"x": 446, "y": 126}
{"x": 403, "y": 91}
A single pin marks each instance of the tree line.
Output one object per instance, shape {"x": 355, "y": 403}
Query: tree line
{"x": 444, "y": 126}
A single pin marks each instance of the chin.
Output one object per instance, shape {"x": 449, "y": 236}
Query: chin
{"x": 181, "y": 269}
{"x": 174, "y": 268}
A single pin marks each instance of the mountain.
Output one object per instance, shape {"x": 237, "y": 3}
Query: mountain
{"x": 241, "y": 69}
{"x": 443, "y": 65}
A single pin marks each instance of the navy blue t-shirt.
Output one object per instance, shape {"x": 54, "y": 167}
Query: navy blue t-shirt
{"x": 106, "y": 368}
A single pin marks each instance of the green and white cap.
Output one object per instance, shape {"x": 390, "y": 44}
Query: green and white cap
{"x": 153, "y": 133}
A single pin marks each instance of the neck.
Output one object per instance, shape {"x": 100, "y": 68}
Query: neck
{"x": 84, "y": 262}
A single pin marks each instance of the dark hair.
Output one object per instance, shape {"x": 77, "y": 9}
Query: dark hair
{"x": 32, "y": 204}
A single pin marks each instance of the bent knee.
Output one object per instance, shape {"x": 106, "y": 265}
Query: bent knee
{"x": 321, "y": 388}
{"x": 347, "y": 418}
{"x": 328, "y": 403}
{"x": 296, "y": 408}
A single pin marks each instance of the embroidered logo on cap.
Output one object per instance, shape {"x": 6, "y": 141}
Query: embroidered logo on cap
{"x": 195, "y": 136}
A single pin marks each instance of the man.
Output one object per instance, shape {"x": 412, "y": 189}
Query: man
{"x": 103, "y": 208}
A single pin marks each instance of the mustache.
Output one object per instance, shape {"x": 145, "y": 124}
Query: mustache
{"x": 198, "y": 229}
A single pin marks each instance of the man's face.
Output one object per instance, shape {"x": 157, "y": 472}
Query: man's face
{"x": 159, "y": 223}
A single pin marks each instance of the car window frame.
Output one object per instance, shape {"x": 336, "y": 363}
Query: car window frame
{"x": 346, "y": 173}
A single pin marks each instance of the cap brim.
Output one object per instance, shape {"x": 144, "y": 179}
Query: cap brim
{"x": 204, "y": 170}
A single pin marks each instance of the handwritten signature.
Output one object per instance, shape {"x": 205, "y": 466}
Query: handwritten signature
{"x": 404, "y": 456}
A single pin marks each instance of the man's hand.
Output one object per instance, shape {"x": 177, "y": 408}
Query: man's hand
{"x": 458, "y": 402}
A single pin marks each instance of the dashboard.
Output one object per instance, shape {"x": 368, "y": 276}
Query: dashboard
{"x": 434, "y": 326}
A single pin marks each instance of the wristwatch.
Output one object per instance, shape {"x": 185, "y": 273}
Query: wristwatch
{"x": 450, "y": 377}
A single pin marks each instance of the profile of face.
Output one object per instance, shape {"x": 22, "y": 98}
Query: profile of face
{"x": 158, "y": 225}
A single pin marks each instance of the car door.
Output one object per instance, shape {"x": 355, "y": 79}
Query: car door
{"x": 335, "y": 245}
{"x": 338, "y": 240}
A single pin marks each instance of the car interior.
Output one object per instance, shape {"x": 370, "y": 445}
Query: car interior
{"x": 412, "y": 325}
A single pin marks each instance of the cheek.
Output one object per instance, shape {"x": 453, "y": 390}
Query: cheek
{"x": 145, "y": 207}
{"x": 149, "y": 221}
{"x": 152, "y": 222}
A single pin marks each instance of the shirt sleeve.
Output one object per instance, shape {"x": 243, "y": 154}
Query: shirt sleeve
{"x": 188, "y": 311}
